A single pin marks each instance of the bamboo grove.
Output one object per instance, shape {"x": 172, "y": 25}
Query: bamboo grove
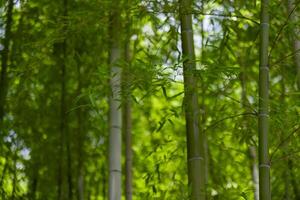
{"x": 140, "y": 99}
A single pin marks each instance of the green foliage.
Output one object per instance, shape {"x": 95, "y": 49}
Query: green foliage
{"x": 226, "y": 67}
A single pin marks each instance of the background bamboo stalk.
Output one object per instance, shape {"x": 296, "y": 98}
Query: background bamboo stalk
{"x": 5, "y": 58}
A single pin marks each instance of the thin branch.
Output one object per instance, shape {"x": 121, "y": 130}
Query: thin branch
{"x": 291, "y": 154}
{"x": 285, "y": 140}
{"x": 281, "y": 29}
{"x": 280, "y": 60}
{"x": 229, "y": 15}
{"x": 229, "y": 117}
{"x": 244, "y": 104}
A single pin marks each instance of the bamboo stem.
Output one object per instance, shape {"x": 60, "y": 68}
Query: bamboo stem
{"x": 263, "y": 115}
{"x": 4, "y": 59}
{"x": 195, "y": 139}
{"x": 115, "y": 113}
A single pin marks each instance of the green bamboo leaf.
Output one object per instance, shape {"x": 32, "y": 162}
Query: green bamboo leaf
{"x": 161, "y": 125}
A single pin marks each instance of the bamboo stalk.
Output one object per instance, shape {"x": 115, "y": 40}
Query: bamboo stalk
{"x": 296, "y": 42}
{"x": 4, "y": 59}
{"x": 263, "y": 115}
{"x": 296, "y": 48}
{"x": 127, "y": 119}
{"x": 127, "y": 127}
{"x": 195, "y": 139}
{"x": 115, "y": 113}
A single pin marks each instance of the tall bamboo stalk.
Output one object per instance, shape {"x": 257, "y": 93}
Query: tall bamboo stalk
{"x": 64, "y": 115}
{"x": 64, "y": 141}
{"x": 127, "y": 126}
{"x": 115, "y": 113}
{"x": 202, "y": 104}
{"x": 5, "y": 58}
{"x": 80, "y": 140}
{"x": 195, "y": 143}
{"x": 127, "y": 121}
{"x": 254, "y": 170}
{"x": 245, "y": 125}
{"x": 296, "y": 42}
{"x": 263, "y": 115}
{"x": 60, "y": 173}
{"x": 296, "y": 48}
